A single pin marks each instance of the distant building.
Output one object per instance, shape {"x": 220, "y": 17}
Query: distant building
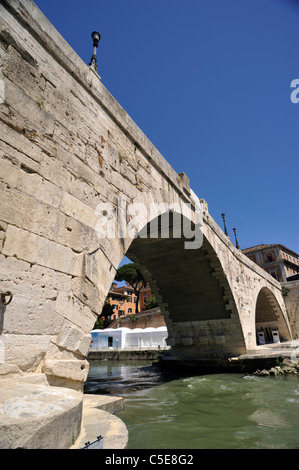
{"x": 123, "y": 300}
{"x": 279, "y": 261}
{"x": 145, "y": 295}
{"x": 125, "y": 338}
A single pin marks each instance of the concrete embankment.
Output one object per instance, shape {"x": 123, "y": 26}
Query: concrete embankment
{"x": 263, "y": 357}
{"x": 125, "y": 354}
{"x": 98, "y": 420}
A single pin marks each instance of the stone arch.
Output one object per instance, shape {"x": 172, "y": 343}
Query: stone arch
{"x": 269, "y": 318}
{"x": 193, "y": 293}
{"x": 129, "y": 220}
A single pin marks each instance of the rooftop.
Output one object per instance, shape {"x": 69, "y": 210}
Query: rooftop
{"x": 263, "y": 247}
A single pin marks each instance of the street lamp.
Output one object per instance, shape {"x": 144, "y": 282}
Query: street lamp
{"x": 96, "y": 39}
{"x": 223, "y": 217}
{"x": 237, "y": 244}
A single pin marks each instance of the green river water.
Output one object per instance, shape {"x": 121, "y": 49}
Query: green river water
{"x": 217, "y": 411}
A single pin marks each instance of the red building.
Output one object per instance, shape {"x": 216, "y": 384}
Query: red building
{"x": 123, "y": 300}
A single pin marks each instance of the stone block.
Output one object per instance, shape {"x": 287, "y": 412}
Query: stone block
{"x": 36, "y": 186}
{"x": 75, "y": 208}
{"x": 76, "y": 370}
{"x": 220, "y": 339}
{"x": 72, "y": 338}
{"x": 25, "y": 351}
{"x": 9, "y": 173}
{"x": 9, "y": 371}
{"x": 35, "y": 249}
{"x": 32, "y": 113}
{"x": 31, "y": 314}
{"x": 88, "y": 293}
{"x": 72, "y": 309}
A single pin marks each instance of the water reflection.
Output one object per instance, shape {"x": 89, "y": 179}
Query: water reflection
{"x": 122, "y": 378}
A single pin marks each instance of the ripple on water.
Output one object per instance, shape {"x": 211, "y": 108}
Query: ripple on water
{"x": 220, "y": 411}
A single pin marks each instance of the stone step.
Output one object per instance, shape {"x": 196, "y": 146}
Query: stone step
{"x": 31, "y": 415}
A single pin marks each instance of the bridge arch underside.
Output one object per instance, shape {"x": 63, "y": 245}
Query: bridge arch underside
{"x": 194, "y": 296}
{"x": 270, "y": 323}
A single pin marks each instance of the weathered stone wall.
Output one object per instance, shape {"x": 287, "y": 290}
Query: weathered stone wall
{"x": 246, "y": 280}
{"x": 66, "y": 145}
{"x": 149, "y": 318}
{"x": 292, "y": 305}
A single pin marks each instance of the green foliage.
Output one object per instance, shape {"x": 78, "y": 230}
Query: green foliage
{"x": 103, "y": 319}
{"x": 99, "y": 324}
{"x": 278, "y": 362}
{"x": 151, "y": 303}
{"x": 130, "y": 274}
{"x": 285, "y": 291}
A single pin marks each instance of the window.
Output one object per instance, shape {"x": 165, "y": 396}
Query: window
{"x": 129, "y": 310}
{"x": 274, "y": 274}
{"x": 121, "y": 313}
{"x": 115, "y": 307}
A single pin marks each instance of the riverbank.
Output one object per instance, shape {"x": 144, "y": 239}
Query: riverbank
{"x": 282, "y": 367}
{"x": 264, "y": 357}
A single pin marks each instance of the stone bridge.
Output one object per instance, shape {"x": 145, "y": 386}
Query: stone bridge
{"x": 71, "y": 158}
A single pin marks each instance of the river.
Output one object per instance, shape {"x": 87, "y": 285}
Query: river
{"x": 217, "y": 411}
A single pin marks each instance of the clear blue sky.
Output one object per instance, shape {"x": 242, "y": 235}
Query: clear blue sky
{"x": 208, "y": 82}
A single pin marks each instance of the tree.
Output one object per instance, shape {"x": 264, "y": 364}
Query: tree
{"x": 103, "y": 319}
{"x": 151, "y": 303}
{"x": 130, "y": 274}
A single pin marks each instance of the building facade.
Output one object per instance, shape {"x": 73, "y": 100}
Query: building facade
{"x": 124, "y": 300}
{"x": 279, "y": 261}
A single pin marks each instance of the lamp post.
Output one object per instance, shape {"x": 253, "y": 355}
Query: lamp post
{"x": 96, "y": 39}
{"x": 237, "y": 244}
{"x": 225, "y": 230}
